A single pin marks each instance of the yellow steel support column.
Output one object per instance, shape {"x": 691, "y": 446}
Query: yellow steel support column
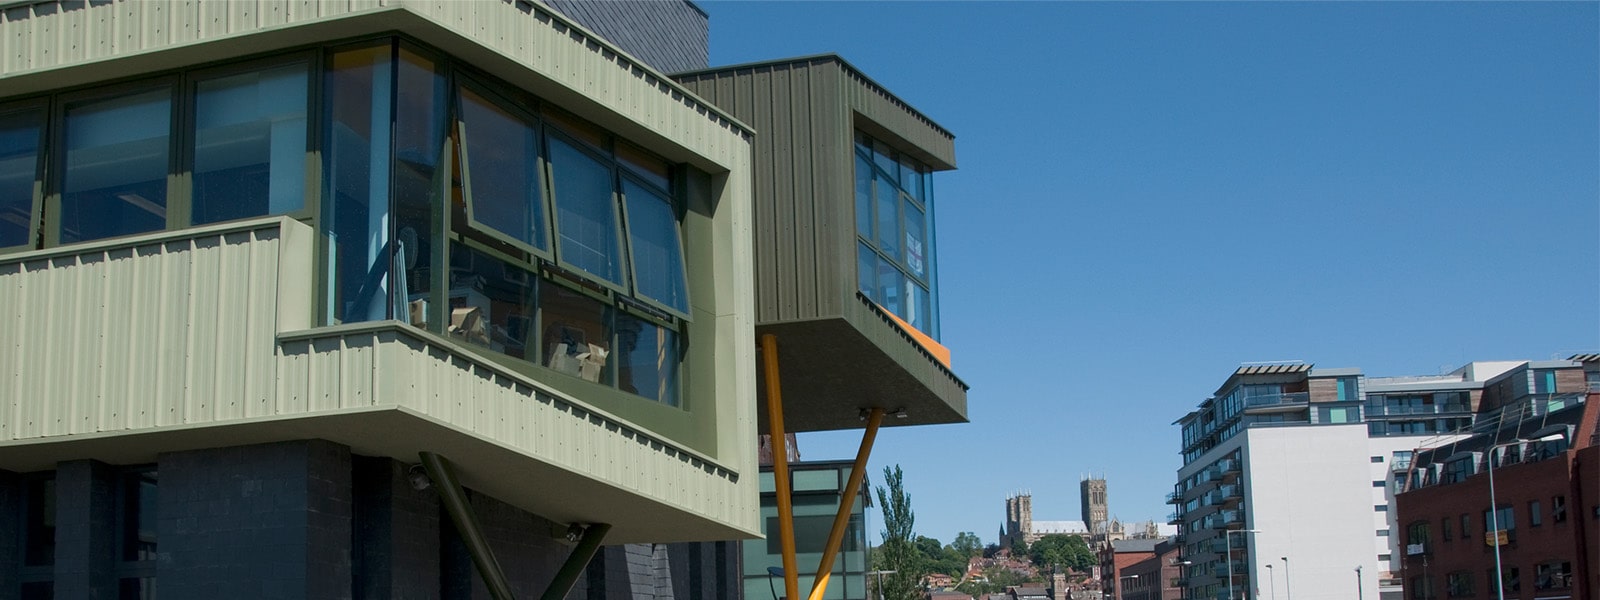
{"x": 780, "y": 466}
{"x": 841, "y": 519}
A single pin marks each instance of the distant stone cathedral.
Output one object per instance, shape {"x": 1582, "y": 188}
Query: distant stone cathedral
{"x": 1096, "y": 511}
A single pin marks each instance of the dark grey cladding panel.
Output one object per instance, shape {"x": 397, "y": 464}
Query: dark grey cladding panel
{"x": 670, "y": 35}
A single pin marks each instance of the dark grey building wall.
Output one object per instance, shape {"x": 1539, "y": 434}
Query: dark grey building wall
{"x": 85, "y": 530}
{"x": 10, "y": 533}
{"x": 804, "y": 180}
{"x": 264, "y": 521}
{"x": 396, "y": 546}
{"x": 670, "y": 35}
{"x": 308, "y": 520}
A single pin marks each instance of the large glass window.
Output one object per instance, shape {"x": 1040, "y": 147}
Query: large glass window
{"x": 136, "y": 516}
{"x": 492, "y": 303}
{"x": 577, "y": 334}
{"x": 500, "y": 151}
{"x": 114, "y": 181}
{"x": 895, "y": 227}
{"x": 357, "y": 167}
{"x": 658, "y": 271}
{"x": 250, "y": 144}
{"x": 586, "y": 211}
{"x": 647, "y": 359}
{"x": 19, "y": 167}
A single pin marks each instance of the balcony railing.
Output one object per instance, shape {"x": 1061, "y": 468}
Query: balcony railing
{"x": 1278, "y": 399}
{"x": 1230, "y": 491}
{"x": 1384, "y": 410}
{"x": 1174, "y": 497}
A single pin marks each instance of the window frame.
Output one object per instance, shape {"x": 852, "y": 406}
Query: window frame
{"x": 865, "y": 149}
{"x": 460, "y": 80}
{"x": 600, "y": 155}
{"x": 56, "y": 181}
{"x": 43, "y": 106}
{"x": 675, "y": 204}
{"x": 190, "y": 81}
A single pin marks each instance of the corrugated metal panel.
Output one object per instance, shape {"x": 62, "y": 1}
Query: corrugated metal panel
{"x": 496, "y": 405}
{"x": 44, "y": 35}
{"x": 177, "y": 330}
{"x": 804, "y": 225}
{"x": 49, "y": 36}
{"x": 163, "y": 330}
{"x": 932, "y": 143}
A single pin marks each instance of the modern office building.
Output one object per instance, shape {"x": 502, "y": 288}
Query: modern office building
{"x": 1511, "y": 510}
{"x": 263, "y": 259}
{"x": 1295, "y": 468}
{"x": 392, "y": 298}
{"x": 818, "y": 488}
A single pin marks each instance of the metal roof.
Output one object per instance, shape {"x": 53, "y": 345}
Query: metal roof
{"x": 1273, "y": 369}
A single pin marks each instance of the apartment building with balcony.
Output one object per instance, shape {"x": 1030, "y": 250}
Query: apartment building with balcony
{"x": 1509, "y": 511}
{"x": 1289, "y": 473}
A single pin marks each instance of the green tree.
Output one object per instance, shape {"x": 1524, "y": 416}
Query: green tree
{"x": 898, "y": 552}
{"x": 967, "y": 544}
{"x": 1061, "y": 549}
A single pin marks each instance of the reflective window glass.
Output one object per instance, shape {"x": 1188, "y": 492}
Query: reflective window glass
{"x": 916, "y": 237}
{"x": 863, "y": 197}
{"x": 500, "y": 151}
{"x": 647, "y": 359}
{"x": 888, "y": 218}
{"x": 867, "y": 270}
{"x": 920, "y": 308}
{"x": 114, "y": 181}
{"x": 586, "y": 212}
{"x": 492, "y": 303}
{"x": 891, "y": 288}
{"x": 139, "y": 516}
{"x": 357, "y": 175}
{"x": 420, "y": 128}
{"x": 657, "y": 251}
{"x": 19, "y": 165}
{"x": 250, "y": 144}
{"x": 576, "y": 334}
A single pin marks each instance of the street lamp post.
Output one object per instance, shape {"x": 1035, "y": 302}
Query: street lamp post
{"x": 1360, "y": 595}
{"x": 1494, "y": 513}
{"x": 1227, "y": 537}
{"x": 1272, "y": 582}
{"x": 1288, "y": 591}
{"x": 880, "y": 575}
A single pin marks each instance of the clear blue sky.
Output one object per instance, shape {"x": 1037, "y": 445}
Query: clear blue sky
{"x": 1151, "y": 194}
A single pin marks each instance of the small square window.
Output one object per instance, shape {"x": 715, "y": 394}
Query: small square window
{"x": 1377, "y": 459}
{"x": 1378, "y": 483}
{"x": 1380, "y": 507}
{"x": 1383, "y": 533}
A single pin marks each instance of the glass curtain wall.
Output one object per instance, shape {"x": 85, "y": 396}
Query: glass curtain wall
{"x": 894, "y": 228}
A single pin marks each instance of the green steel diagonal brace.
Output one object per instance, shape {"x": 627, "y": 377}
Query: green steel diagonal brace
{"x": 576, "y": 562}
{"x": 466, "y": 522}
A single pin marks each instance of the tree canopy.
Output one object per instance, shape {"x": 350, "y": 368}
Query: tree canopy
{"x": 1068, "y": 551}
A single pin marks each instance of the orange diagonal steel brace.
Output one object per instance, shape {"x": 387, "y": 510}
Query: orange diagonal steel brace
{"x": 780, "y": 466}
{"x": 841, "y": 519}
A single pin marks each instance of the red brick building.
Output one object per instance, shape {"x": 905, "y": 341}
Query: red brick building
{"x": 1154, "y": 578}
{"x": 1536, "y": 430}
{"x": 1115, "y": 561}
